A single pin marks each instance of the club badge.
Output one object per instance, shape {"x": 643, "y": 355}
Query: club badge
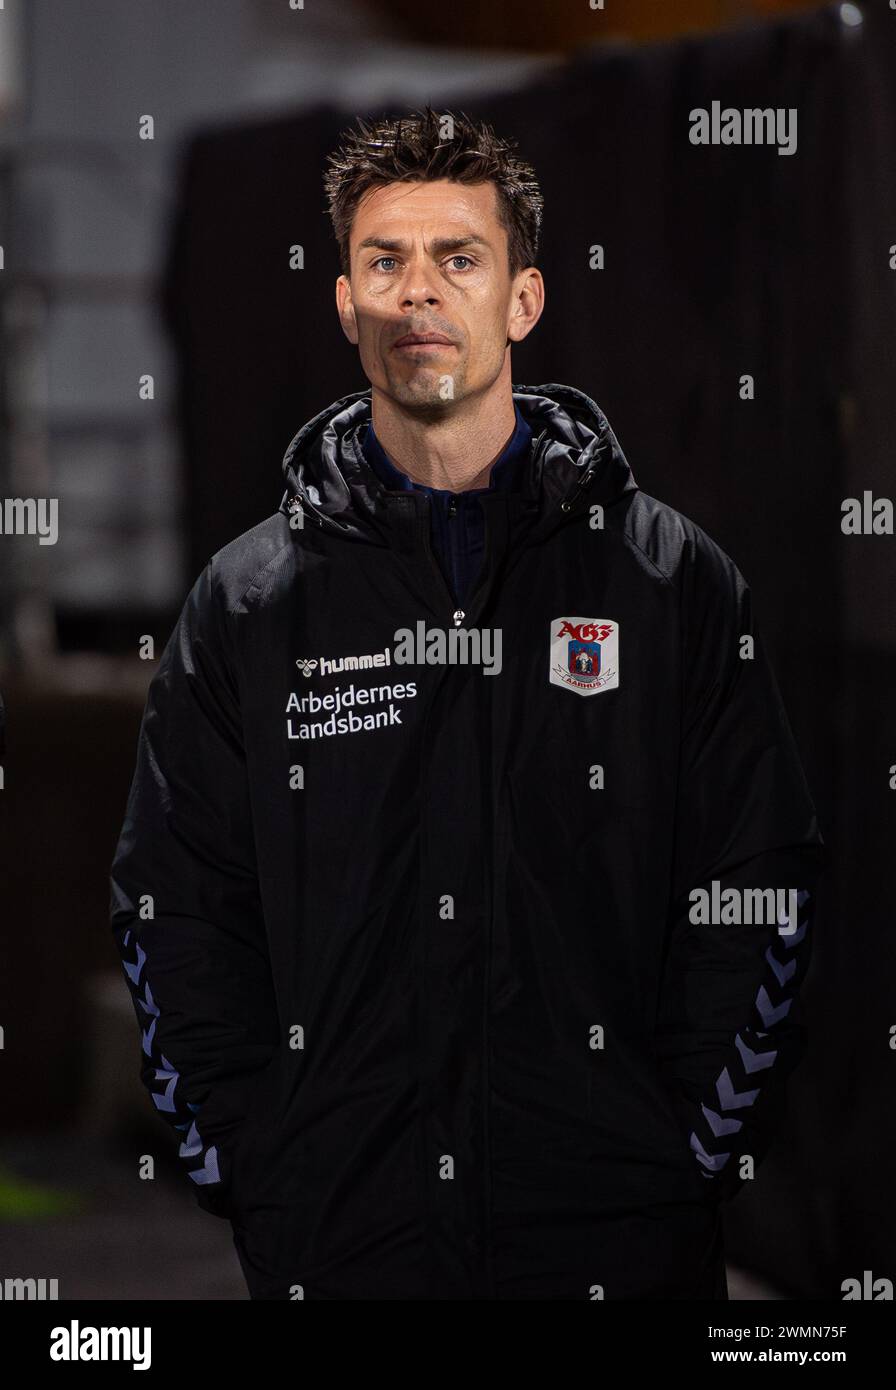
{"x": 584, "y": 654}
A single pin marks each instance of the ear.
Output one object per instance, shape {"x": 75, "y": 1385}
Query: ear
{"x": 526, "y": 304}
{"x": 346, "y": 309}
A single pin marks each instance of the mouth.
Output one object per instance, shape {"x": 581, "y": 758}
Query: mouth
{"x": 422, "y": 342}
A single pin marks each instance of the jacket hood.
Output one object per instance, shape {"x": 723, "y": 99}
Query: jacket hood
{"x": 575, "y": 460}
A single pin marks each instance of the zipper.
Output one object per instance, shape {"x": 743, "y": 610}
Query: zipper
{"x": 457, "y": 614}
{"x": 488, "y": 1252}
{"x": 424, "y": 521}
{"x": 485, "y": 1254}
{"x": 477, "y": 603}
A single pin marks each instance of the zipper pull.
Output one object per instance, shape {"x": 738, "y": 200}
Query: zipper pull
{"x": 452, "y": 506}
{"x": 574, "y": 493}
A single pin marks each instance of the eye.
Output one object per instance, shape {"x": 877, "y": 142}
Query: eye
{"x": 383, "y": 258}
{"x": 460, "y": 257}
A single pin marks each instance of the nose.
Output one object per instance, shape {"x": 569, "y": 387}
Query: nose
{"x": 419, "y": 285}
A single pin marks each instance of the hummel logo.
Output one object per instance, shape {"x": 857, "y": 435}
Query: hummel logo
{"x": 306, "y": 667}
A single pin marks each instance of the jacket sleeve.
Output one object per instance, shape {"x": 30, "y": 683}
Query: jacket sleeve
{"x": 185, "y": 907}
{"x": 730, "y": 1026}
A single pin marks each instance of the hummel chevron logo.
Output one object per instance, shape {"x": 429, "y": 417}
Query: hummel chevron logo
{"x": 307, "y": 667}
{"x": 753, "y": 1061}
{"x": 729, "y": 1098}
{"x": 718, "y": 1125}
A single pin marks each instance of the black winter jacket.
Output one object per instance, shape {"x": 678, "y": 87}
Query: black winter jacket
{"x": 415, "y": 948}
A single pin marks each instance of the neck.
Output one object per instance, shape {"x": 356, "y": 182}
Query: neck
{"x": 454, "y": 449}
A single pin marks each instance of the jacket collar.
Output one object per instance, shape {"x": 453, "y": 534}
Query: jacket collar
{"x": 504, "y": 475}
{"x": 574, "y": 460}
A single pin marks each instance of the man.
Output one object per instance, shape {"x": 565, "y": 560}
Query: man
{"x": 466, "y": 874}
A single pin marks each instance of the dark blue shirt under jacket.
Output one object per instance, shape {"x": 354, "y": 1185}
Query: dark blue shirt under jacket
{"x": 457, "y": 521}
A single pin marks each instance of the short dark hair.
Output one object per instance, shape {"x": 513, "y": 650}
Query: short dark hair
{"x": 413, "y": 148}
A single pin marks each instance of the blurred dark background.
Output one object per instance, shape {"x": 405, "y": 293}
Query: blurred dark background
{"x": 127, "y": 259}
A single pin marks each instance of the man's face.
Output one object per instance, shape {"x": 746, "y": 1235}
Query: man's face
{"x": 431, "y": 259}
